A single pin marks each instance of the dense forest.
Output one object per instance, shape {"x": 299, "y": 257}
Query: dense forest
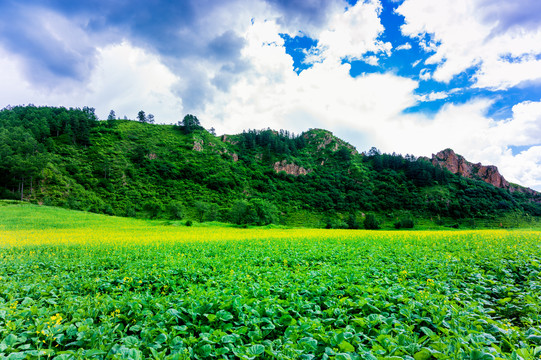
{"x": 70, "y": 158}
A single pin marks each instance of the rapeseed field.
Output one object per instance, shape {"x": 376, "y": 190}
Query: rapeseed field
{"x": 83, "y": 286}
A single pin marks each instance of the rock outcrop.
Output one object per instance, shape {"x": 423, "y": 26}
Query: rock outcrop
{"x": 291, "y": 169}
{"x": 488, "y": 173}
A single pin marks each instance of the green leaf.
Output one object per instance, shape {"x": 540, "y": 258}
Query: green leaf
{"x": 224, "y": 315}
{"x": 424, "y": 354}
{"x": 308, "y": 343}
{"x": 287, "y": 320}
{"x": 160, "y": 339}
{"x": 346, "y": 347}
{"x": 130, "y": 341}
{"x": 256, "y": 349}
{"x": 10, "y": 340}
{"x": 226, "y": 339}
{"x": 535, "y": 339}
{"x": 427, "y": 331}
{"x": 64, "y": 357}
{"x": 93, "y": 352}
{"x": 205, "y": 350}
{"x": 479, "y": 355}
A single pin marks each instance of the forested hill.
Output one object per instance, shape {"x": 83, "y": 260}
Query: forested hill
{"x": 68, "y": 158}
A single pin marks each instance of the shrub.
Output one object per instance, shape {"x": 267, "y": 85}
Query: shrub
{"x": 406, "y": 223}
{"x": 370, "y": 222}
{"x": 176, "y": 210}
{"x": 153, "y": 208}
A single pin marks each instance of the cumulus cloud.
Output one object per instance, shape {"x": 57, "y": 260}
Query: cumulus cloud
{"x": 405, "y": 46}
{"x": 353, "y": 33}
{"x": 504, "y": 45}
{"x": 125, "y": 79}
{"x": 325, "y": 95}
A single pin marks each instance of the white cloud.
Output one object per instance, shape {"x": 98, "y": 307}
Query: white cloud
{"x": 353, "y": 33}
{"x": 500, "y": 74}
{"x": 463, "y": 36}
{"x": 435, "y": 95}
{"x": 405, "y": 46}
{"x": 125, "y": 79}
{"x": 128, "y": 78}
{"x": 425, "y": 74}
{"x": 524, "y": 168}
{"x": 371, "y": 60}
{"x": 325, "y": 95}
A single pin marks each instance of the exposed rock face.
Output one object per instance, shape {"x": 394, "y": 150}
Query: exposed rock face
{"x": 198, "y": 145}
{"x": 490, "y": 174}
{"x": 291, "y": 169}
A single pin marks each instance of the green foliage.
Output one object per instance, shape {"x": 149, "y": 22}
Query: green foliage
{"x": 154, "y": 208}
{"x": 405, "y": 223}
{"x": 253, "y": 212}
{"x": 371, "y": 222}
{"x": 176, "y": 210}
{"x": 65, "y": 157}
{"x": 84, "y": 286}
{"x": 189, "y": 124}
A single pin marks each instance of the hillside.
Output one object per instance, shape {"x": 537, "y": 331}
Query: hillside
{"x": 66, "y": 157}
{"x": 488, "y": 173}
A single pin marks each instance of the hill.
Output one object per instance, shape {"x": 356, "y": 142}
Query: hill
{"x": 488, "y": 173}
{"x": 68, "y": 158}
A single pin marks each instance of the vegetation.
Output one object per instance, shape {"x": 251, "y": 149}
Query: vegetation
{"x": 68, "y": 158}
{"x": 77, "y": 285}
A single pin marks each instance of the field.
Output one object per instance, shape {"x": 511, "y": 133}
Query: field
{"x": 84, "y": 286}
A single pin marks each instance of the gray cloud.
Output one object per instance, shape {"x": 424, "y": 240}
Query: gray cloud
{"x": 304, "y": 14}
{"x": 524, "y": 14}
{"x": 50, "y": 51}
{"x": 176, "y": 31}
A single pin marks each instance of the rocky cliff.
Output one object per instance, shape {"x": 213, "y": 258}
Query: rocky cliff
{"x": 488, "y": 173}
{"x": 291, "y": 169}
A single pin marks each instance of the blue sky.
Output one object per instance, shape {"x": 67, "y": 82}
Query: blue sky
{"x": 406, "y": 76}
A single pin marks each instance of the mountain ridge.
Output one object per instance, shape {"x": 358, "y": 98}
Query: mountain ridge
{"x": 490, "y": 174}
{"x": 69, "y": 158}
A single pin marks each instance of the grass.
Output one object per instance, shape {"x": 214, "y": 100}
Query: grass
{"x": 76, "y": 285}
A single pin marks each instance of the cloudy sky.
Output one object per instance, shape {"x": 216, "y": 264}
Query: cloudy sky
{"x": 406, "y": 76}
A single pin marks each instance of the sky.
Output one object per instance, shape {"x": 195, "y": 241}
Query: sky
{"x": 405, "y": 76}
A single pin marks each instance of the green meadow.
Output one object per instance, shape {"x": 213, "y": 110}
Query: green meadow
{"x": 76, "y": 285}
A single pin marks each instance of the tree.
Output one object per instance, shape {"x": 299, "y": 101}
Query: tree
{"x": 150, "y": 119}
{"x": 370, "y": 222}
{"x": 256, "y": 211}
{"x": 201, "y": 208}
{"x": 141, "y": 117}
{"x": 112, "y": 115}
{"x": 176, "y": 210}
{"x": 190, "y": 123}
{"x": 238, "y": 212}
